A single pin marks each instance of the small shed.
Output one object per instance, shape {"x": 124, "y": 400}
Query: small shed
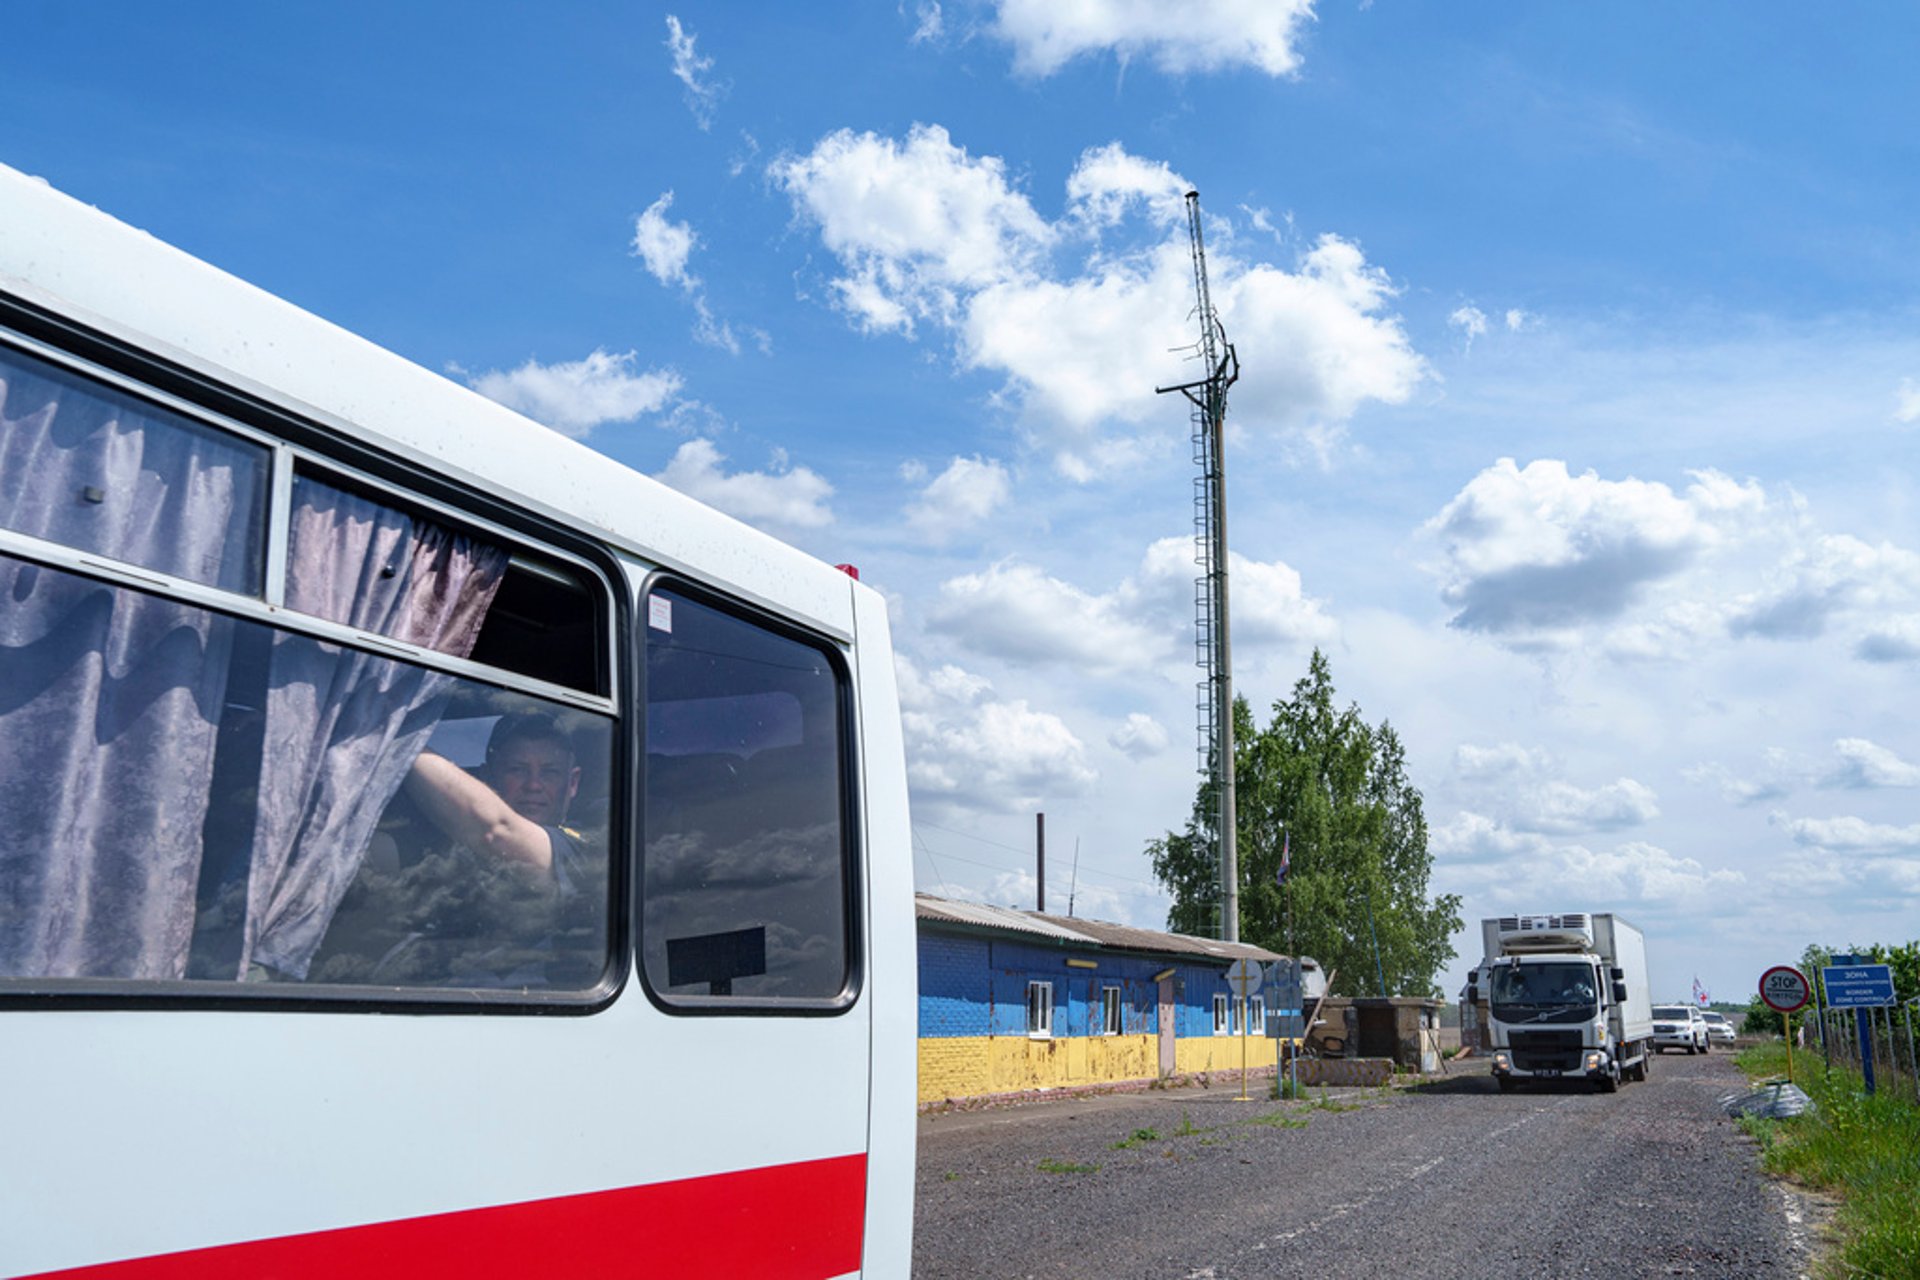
{"x": 1404, "y": 1029}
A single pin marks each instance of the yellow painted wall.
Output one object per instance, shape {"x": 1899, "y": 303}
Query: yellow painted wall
{"x": 967, "y": 1066}
{"x": 1221, "y": 1053}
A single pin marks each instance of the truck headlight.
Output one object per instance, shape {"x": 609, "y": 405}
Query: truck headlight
{"x": 1500, "y": 1061}
{"x": 1594, "y": 1060}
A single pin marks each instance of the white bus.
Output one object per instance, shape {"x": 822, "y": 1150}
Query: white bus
{"x": 427, "y": 847}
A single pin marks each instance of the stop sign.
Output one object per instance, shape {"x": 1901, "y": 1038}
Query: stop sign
{"x": 1785, "y": 988}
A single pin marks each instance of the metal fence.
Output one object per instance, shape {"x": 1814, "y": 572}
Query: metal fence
{"x": 1892, "y": 1031}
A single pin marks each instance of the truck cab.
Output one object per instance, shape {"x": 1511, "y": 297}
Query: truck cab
{"x": 1566, "y": 999}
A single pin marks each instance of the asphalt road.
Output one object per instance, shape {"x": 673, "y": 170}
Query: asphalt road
{"x": 1452, "y": 1179}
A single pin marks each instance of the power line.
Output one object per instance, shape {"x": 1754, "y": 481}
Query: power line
{"x": 938, "y": 875}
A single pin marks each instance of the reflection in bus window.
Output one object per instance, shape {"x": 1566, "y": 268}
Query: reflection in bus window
{"x": 745, "y": 879}
{"x": 191, "y": 795}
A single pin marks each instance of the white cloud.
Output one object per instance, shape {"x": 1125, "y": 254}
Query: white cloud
{"x": 915, "y": 223}
{"x": 691, "y": 70}
{"x": 666, "y": 247}
{"x": 1865, "y": 764}
{"x": 1506, "y": 872}
{"x": 663, "y": 245}
{"x": 1270, "y": 606}
{"x": 785, "y": 497}
{"x": 1209, "y": 35}
{"x": 1892, "y": 639}
{"x": 1564, "y": 808}
{"x": 1505, "y": 760}
{"x": 1733, "y": 788}
{"x": 1140, "y": 737}
{"x": 1515, "y": 781}
{"x": 1518, "y": 320}
{"x": 1906, "y": 406}
{"x": 965, "y": 747}
{"x": 1531, "y": 552}
{"x": 1015, "y": 611}
{"x": 1833, "y": 574}
{"x": 925, "y": 234}
{"x": 1470, "y": 837}
{"x": 1471, "y": 321}
{"x": 963, "y": 496}
{"x": 1850, "y": 835}
{"x": 1107, "y": 183}
{"x": 573, "y": 398}
{"x": 928, "y": 23}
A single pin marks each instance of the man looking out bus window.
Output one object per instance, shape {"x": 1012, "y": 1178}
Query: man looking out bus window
{"x": 515, "y": 808}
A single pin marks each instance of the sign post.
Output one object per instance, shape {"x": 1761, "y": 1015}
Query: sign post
{"x": 1246, "y": 978}
{"x": 1785, "y": 988}
{"x": 1859, "y": 987}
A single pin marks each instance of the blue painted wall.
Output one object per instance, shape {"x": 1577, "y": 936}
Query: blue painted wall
{"x": 977, "y": 986}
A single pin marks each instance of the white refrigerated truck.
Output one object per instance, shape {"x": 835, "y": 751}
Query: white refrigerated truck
{"x": 1567, "y": 999}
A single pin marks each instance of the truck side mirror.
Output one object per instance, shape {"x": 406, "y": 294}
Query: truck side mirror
{"x": 1619, "y": 991}
{"x": 1617, "y": 974}
{"x": 1473, "y": 993}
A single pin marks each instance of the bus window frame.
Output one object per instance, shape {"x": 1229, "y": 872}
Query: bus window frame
{"x": 852, "y": 837}
{"x": 295, "y": 441}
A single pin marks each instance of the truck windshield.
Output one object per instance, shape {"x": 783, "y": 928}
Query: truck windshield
{"x": 1550, "y": 992}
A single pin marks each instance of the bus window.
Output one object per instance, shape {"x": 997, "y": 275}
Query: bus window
{"x": 99, "y": 471}
{"x": 191, "y": 793}
{"x": 746, "y": 872}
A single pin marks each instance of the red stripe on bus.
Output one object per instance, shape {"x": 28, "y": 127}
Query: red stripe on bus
{"x": 785, "y": 1222}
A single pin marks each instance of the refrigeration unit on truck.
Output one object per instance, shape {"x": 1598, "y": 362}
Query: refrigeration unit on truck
{"x": 1567, "y": 999}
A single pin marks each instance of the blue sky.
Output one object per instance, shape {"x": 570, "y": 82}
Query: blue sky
{"x": 1578, "y": 419}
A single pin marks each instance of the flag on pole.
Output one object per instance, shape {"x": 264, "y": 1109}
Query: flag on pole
{"x": 1699, "y": 992}
{"x": 1286, "y": 858}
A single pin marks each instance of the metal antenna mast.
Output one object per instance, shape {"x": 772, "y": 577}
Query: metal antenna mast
{"x": 1208, "y": 397}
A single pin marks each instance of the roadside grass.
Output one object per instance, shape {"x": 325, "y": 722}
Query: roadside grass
{"x": 1188, "y": 1128}
{"x": 1135, "y": 1138}
{"x": 1863, "y": 1150}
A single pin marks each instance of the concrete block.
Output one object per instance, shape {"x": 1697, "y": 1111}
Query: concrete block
{"x": 1346, "y": 1071}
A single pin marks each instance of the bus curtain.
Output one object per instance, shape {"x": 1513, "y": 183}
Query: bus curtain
{"x": 112, "y": 701}
{"x": 343, "y": 727}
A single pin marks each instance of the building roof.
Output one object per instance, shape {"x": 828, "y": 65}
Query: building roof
{"x": 1074, "y": 931}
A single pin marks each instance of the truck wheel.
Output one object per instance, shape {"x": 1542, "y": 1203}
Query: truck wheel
{"x": 1608, "y": 1083}
{"x": 1707, "y": 1046}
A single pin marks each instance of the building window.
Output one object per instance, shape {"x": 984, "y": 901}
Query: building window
{"x": 1110, "y": 1011}
{"x": 1222, "y": 1015}
{"x": 1040, "y": 1010}
{"x": 1257, "y": 1016}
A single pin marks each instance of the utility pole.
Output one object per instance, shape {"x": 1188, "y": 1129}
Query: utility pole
{"x": 1040, "y": 861}
{"x": 1208, "y": 397}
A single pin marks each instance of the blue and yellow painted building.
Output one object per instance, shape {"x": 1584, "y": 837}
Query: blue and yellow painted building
{"x": 1013, "y": 1001}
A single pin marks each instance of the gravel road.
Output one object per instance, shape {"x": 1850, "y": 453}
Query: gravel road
{"x": 1452, "y": 1179}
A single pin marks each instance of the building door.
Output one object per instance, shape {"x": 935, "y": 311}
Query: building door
{"x": 1166, "y": 1027}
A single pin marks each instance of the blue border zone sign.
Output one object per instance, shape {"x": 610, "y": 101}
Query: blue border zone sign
{"x": 1858, "y": 986}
